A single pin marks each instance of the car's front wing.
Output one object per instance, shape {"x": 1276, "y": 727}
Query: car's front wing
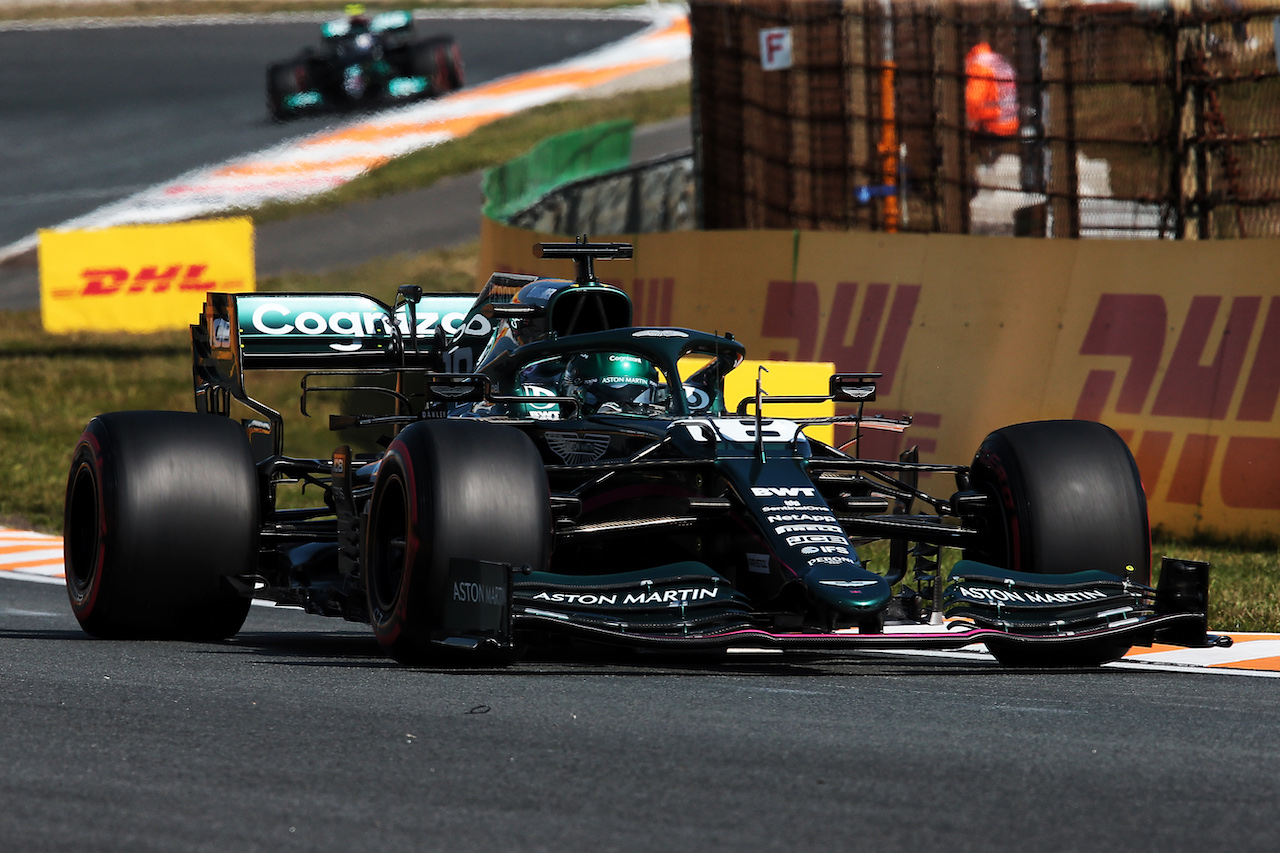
{"x": 1139, "y": 632}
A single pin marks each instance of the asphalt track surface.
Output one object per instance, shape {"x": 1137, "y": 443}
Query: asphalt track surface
{"x": 299, "y": 735}
{"x": 91, "y": 116}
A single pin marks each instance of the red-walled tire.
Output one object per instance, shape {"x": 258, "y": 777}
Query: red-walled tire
{"x": 439, "y": 60}
{"x": 457, "y": 75}
{"x": 448, "y": 489}
{"x": 160, "y": 507}
{"x": 1067, "y": 497}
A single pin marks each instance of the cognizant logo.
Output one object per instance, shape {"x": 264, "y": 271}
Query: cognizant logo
{"x": 277, "y": 318}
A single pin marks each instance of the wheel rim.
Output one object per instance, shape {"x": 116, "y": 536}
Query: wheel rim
{"x": 388, "y": 542}
{"x": 83, "y": 534}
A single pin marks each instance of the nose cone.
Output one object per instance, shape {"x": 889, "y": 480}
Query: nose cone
{"x": 851, "y": 590}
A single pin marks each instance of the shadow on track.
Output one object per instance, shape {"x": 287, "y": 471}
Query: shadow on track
{"x": 354, "y": 649}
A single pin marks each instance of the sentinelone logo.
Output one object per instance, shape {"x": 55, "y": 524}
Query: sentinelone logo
{"x": 1223, "y": 369}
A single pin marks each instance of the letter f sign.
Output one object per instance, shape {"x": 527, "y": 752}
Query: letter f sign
{"x": 775, "y": 49}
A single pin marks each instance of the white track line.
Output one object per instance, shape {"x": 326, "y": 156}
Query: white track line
{"x": 31, "y": 556}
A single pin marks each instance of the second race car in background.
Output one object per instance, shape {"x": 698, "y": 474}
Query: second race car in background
{"x": 364, "y": 60}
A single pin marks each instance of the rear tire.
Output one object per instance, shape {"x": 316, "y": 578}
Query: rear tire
{"x": 1067, "y": 498}
{"x": 448, "y": 489}
{"x": 285, "y": 79}
{"x": 160, "y": 507}
{"x": 440, "y": 62}
{"x": 456, "y": 75}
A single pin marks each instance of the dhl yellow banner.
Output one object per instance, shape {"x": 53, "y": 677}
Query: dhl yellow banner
{"x": 1176, "y": 345}
{"x": 798, "y": 377}
{"x": 141, "y": 278}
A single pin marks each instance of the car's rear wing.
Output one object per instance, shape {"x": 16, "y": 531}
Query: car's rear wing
{"x": 313, "y": 331}
{"x": 383, "y": 22}
{"x": 310, "y": 331}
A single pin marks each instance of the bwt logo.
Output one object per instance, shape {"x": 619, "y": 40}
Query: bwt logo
{"x": 115, "y": 281}
{"x": 1224, "y": 366}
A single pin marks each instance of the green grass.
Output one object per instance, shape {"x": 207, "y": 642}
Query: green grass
{"x": 490, "y": 145}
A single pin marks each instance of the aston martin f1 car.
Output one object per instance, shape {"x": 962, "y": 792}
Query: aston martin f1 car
{"x": 549, "y": 474}
{"x": 364, "y": 61}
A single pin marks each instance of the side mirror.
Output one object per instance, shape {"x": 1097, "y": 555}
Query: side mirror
{"x": 853, "y": 387}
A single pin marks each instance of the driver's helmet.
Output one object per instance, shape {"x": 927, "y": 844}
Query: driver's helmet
{"x": 356, "y": 15}
{"x": 539, "y": 379}
{"x": 614, "y": 383}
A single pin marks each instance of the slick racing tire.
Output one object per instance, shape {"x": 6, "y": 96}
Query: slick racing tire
{"x": 455, "y": 75}
{"x": 448, "y": 489}
{"x": 285, "y": 79}
{"x": 440, "y": 61}
{"x": 1067, "y": 497}
{"x": 160, "y": 507}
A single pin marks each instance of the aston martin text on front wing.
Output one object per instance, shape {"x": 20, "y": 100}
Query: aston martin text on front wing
{"x": 666, "y": 596}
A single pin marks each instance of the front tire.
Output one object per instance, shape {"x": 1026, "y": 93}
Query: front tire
{"x": 448, "y": 489}
{"x": 160, "y": 507}
{"x": 1067, "y": 497}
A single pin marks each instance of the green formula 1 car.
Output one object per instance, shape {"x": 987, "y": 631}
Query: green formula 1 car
{"x": 553, "y": 474}
{"x": 364, "y": 61}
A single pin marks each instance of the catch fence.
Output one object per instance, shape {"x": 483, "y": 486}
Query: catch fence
{"x": 1133, "y": 120}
